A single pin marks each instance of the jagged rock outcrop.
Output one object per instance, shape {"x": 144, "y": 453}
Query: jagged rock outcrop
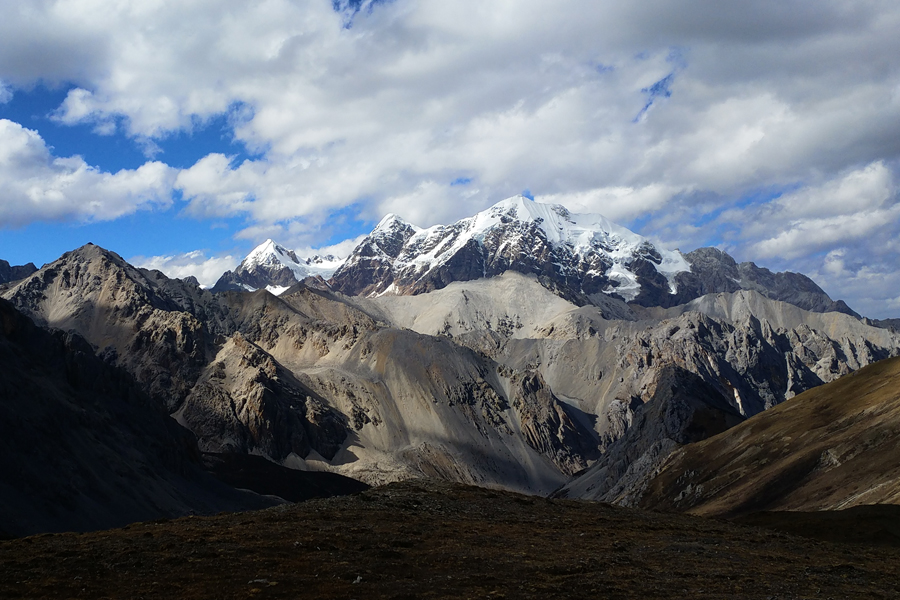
{"x": 681, "y": 408}
{"x": 157, "y": 328}
{"x": 245, "y": 402}
{"x": 14, "y": 273}
{"x": 548, "y": 427}
{"x": 84, "y": 447}
{"x": 890, "y": 324}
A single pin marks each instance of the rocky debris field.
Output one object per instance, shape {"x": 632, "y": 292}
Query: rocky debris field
{"x": 425, "y": 539}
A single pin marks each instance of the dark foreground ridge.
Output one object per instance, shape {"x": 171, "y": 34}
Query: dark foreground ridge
{"x": 439, "y": 540}
{"x": 255, "y": 473}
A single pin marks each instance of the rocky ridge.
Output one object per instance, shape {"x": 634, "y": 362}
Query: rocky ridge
{"x": 496, "y": 381}
{"x": 10, "y": 273}
{"x": 575, "y": 255}
{"x": 714, "y": 271}
{"x": 311, "y": 381}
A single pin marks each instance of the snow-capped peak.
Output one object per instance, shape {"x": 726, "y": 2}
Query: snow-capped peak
{"x": 513, "y": 234}
{"x": 276, "y": 268}
{"x": 270, "y": 254}
{"x": 390, "y": 224}
{"x": 579, "y": 231}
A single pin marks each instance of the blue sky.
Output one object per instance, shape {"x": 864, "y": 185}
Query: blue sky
{"x": 145, "y": 233}
{"x": 182, "y": 136}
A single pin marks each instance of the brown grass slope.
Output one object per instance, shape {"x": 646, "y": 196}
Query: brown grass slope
{"x": 832, "y": 447}
{"x": 437, "y": 540}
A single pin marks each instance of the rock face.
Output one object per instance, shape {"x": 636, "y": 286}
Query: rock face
{"x": 84, "y": 447}
{"x": 738, "y": 354}
{"x": 829, "y": 448}
{"x": 245, "y": 402}
{"x": 273, "y": 267}
{"x": 9, "y": 273}
{"x": 714, "y": 271}
{"x": 156, "y": 328}
{"x": 681, "y": 408}
{"x": 311, "y": 381}
{"x": 891, "y": 324}
{"x": 585, "y": 259}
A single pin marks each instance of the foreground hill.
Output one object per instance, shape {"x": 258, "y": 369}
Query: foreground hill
{"x": 831, "y": 447}
{"x": 438, "y": 540}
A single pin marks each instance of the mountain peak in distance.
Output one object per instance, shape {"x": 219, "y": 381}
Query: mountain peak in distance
{"x": 275, "y": 268}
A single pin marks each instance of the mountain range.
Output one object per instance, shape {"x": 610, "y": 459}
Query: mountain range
{"x": 526, "y": 347}
{"x": 586, "y": 259}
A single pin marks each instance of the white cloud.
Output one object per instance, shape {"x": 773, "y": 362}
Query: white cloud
{"x": 535, "y": 95}
{"x": 809, "y": 235}
{"x": 622, "y": 203}
{"x": 36, "y": 186}
{"x": 542, "y": 95}
{"x": 207, "y": 269}
{"x": 869, "y": 287}
{"x": 850, "y": 208}
{"x": 341, "y": 249}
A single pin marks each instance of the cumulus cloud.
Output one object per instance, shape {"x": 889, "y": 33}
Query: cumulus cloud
{"x": 856, "y": 207}
{"x": 871, "y": 286}
{"x": 841, "y": 231}
{"x": 618, "y": 203}
{"x": 207, "y": 269}
{"x": 391, "y": 110}
{"x": 670, "y": 114}
{"x": 37, "y": 186}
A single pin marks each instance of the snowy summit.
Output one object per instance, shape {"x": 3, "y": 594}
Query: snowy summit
{"x": 577, "y": 254}
{"x": 275, "y": 268}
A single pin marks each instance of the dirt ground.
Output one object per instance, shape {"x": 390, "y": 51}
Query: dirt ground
{"x": 437, "y": 540}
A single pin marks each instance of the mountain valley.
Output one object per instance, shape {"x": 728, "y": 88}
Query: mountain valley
{"x": 526, "y": 349}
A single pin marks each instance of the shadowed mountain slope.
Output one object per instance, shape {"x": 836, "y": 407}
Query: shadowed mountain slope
{"x": 14, "y": 273}
{"x": 83, "y": 447}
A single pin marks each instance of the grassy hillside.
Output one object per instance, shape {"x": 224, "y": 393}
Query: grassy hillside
{"x": 832, "y": 447}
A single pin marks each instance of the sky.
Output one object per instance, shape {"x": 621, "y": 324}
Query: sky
{"x": 181, "y": 135}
